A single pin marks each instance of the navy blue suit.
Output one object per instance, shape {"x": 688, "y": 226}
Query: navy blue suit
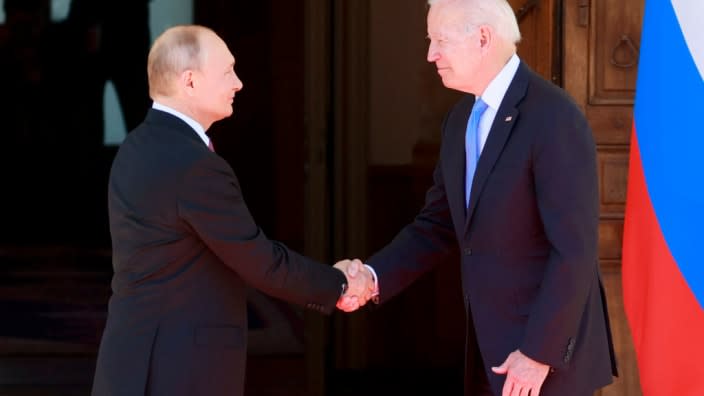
{"x": 184, "y": 249}
{"x": 528, "y": 240}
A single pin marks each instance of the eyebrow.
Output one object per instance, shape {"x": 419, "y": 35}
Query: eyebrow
{"x": 439, "y": 36}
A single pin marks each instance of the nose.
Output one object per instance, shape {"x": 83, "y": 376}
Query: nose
{"x": 433, "y": 54}
{"x": 238, "y": 84}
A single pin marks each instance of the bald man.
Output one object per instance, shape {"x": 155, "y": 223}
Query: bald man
{"x": 185, "y": 246}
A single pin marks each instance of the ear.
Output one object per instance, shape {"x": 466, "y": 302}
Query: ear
{"x": 486, "y": 35}
{"x": 187, "y": 82}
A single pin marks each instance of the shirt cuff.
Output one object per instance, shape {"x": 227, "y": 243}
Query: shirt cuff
{"x": 375, "y": 295}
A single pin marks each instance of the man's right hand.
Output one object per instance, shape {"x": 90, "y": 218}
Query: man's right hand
{"x": 360, "y": 285}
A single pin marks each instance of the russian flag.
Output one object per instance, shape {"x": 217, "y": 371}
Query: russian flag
{"x": 663, "y": 240}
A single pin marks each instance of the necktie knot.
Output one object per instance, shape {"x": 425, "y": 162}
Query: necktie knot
{"x": 478, "y": 109}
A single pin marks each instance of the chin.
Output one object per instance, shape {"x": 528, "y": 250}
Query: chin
{"x": 447, "y": 82}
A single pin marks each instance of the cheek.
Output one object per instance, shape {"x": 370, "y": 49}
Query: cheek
{"x": 466, "y": 67}
{"x": 226, "y": 88}
{"x": 454, "y": 60}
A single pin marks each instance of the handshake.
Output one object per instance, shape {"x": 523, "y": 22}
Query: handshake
{"x": 361, "y": 285}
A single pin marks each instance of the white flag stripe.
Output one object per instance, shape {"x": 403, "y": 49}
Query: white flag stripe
{"x": 690, "y": 14}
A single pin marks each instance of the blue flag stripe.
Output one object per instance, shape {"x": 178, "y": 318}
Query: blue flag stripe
{"x": 669, "y": 104}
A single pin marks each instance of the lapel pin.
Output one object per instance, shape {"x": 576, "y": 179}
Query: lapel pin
{"x": 508, "y": 119}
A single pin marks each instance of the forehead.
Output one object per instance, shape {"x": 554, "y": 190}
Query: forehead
{"x": 214, "y": 43}
{"x": 446, "y": 18}
{"x": 216, "y": 50}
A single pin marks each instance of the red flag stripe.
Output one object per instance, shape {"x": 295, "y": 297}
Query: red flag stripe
{"x": 666, "y": 320}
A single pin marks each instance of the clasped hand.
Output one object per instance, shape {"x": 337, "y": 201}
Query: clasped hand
{"x": 360, "y": 285}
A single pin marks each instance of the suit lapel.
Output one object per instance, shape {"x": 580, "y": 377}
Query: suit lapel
{"x": 454, "y": 162}
{"x": 506, "y": 118}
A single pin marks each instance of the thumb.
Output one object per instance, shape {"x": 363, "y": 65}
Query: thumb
{"x": 503, "y": 369}
{"x": 353, "y": 268}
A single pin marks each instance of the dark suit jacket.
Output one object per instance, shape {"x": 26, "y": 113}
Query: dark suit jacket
{"x": 184, "y": 248}
{"x": 528, "y": 240}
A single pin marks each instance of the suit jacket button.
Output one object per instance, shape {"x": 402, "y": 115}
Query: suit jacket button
{"x": 467, "y": 251}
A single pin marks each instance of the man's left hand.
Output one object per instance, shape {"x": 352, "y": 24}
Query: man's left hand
{"x": 524, "y": 376}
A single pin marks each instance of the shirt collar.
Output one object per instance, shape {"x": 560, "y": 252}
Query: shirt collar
{"x": 495, "y": 91}
{"x": 188, "y": 120}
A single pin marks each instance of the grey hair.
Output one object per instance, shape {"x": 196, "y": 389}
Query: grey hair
{"x": 176, "y": 50}
{"x": 496, "y": 13}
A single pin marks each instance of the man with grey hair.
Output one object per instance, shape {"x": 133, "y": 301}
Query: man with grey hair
{"x": 515, "y": 189}
{"x": 185, "y": 246}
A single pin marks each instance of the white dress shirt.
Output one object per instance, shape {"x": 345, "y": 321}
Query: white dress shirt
{"x": 493, "y": 95}
{"x": 188, "y": 120}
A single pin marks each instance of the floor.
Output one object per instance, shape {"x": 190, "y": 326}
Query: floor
{"x": 277, "y": 377}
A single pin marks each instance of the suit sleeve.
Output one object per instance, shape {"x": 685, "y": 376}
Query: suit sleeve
{"x": 566, "y": 186}
{"x": 419, "y": 246}
{"x": 211, "y": 203}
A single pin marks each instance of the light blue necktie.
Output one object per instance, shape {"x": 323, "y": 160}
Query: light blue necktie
{"x": 472, "y": 146}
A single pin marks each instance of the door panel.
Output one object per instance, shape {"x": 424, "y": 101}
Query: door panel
{"x": 614, "y": 30}
{"x": 600, "y": 48}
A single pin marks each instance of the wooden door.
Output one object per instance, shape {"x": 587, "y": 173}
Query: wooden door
{"x": 600, "y": 58}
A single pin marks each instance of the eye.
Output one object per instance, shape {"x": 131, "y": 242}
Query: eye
{"x": 438, "y": 40}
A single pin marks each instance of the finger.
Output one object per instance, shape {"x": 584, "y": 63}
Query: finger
{"x": 342, "y": 265}
{"x": 353, "y": 306}
{"x": 508, "y": 388}
{"x": 348, "y": 304}
{"x": 503, "y": 369}
{"x": 352, "y": 300}
{"x": 350, "y": 308}
{"x": 359, "y": 264}
{"x": 348, "y": 301}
